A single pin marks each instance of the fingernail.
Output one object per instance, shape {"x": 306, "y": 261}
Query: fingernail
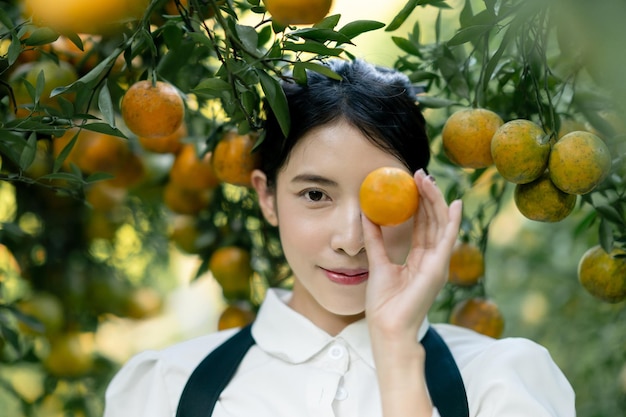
{"x": 431, "y": 178}
{"x": 421, "y": 172}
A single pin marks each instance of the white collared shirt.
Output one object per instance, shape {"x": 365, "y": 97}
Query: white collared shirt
{"x": 297, "y": 369}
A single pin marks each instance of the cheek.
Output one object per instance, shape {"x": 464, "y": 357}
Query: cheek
{"x": 398, "y": 242}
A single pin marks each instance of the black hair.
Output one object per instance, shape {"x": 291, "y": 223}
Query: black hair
{"x": 380, "y": 102}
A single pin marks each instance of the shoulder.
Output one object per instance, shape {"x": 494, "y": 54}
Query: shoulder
{"x": 156, "y": 378}
{"x": 501, "y": 374}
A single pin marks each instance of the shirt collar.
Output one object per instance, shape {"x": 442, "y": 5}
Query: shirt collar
{"x": 282, "y": 332}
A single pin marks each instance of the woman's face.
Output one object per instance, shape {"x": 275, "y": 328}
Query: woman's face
{"x": 315, "y": 205}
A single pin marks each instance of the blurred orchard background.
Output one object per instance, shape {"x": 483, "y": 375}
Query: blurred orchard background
{"x": 121, "y": 233}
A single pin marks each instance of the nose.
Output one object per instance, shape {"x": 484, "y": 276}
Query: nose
{"x": 347, "y": 234}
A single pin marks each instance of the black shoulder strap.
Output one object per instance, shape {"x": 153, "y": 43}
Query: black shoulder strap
{"x": 212, "y": 375}
{"x": 443, "y": 378}
{"x": 215, "y": 371}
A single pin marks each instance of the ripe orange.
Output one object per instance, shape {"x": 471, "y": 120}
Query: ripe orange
{"x": 78, "y": 16}
{"x": 185, "y": 201}
{"x": 520, "y": 151}
{"x": 130, "y": 173}
{"x": 99, "y": 152}
{"x": 185, "y": 233}
{"x": 165, "y": 144}
{"x": 479, "y": 314}
{"x": 389, "y": 196}
{"x": 467, "y": 264}
{"x": 152, "y": 110}
{"x": 579, "y": 161}
{"x": 542, "y": 201}
{"x": 102, "y": 196}
{"x": 233, "y": 159}
{"x": 235, "y": 316}
{"x": 466, "y": 137}
{"x": 298, "y": 12}
{"x": 71, "y": 355}
{"x": 55, "y": 75}
{"x": 83, "y": 60}
{"x": 231, "y": 268}
{"x": 190, "y": 172}
{"x": 143, "y": 303}
{"x": 602, "y": 274}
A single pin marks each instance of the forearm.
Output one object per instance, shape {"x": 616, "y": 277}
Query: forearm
{"x": 401, "y": 377}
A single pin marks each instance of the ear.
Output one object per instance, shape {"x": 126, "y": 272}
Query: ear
{"x": 267, "y": 198}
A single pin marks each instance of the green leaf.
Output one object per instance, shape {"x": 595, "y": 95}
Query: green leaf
{"x": 320, "y": 35}
{"x": 469, "y": 34}
{"x": 5, "y": 19}
{"x": 104, "y": 128}
{"x": 466, "y": 14}
{"x": 58, "y": 162}
{"x": 322, "y": 69}
{"x": 76, "y": 40}
{"x": 611, "y": 214}
{"x": 39, "y": 86}
{"x": 28, "y": 151}
{"x": 15, "y": 48}
{"x": 353, "y": 29}
{"x": 402, "y": 15}
{"x": 407, "y": 46}
{"x": 329, "y": 22}
{"x": 211, "y": 87}
{"x": 98, "y": 176}
{"x": 92, "y": 77}
{"x": 41, "y": 36}
{"x": 312, "y": 47}
{"x": 248, "y": 37}
{"x": 276, "y": 99}
{"x": 605, "y": 235}
{"x": 105, "y": 104}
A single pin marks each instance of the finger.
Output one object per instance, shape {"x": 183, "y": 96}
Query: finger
{"x": 373, "y": 240}
{"x": 433, "y": 214}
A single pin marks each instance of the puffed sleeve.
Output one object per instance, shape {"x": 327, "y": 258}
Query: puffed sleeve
{"x": 139, "y": 389}
{"x": 516, "y": 377}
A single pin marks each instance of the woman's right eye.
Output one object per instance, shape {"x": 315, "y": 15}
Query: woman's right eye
{"x": 314, "y": 195}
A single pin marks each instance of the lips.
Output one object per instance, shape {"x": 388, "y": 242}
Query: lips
{"x": 346, "y": 276}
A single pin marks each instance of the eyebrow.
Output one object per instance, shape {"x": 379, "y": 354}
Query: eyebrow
{"x": 318, "y": 179}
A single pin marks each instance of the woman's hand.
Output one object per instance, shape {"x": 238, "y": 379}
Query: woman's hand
{"x": 399, "y": 296}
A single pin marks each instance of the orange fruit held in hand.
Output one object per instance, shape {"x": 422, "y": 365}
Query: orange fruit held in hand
{"x": 79, "y": 16}
{"x": 579, "y": 161}
{"x": 171, "y": 143}
{"x": 389, "y": 196}
{"x": 520, "y": 151}
{"x": 542, "y": 201}
{"x": 478, "y": 314}
{"x": 235, "y": 316}
{"x": 467, "y": 264}
{"x": 466, "y": 137}
{"x": 152, "y": 110}
{"x": 233, "y": 160}
{"x": 298, "y": 12}
{"x": 602, "y": 274}
{"x": 231, "y": 268}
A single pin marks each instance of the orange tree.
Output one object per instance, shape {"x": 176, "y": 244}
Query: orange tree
{"x": 90, "y": 223}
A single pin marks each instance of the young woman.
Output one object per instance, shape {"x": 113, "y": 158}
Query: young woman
{"x": 351, "y": 338}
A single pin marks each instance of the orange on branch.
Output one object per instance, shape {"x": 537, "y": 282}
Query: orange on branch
{"x": 466, "y": 137}
{"x": 79, "y": 16}
{"x": 171, "y": 143}
{"x": 233, "y": 159}
{"x": 184, "y": 201}
{"x": 467, "y": 264}
{"x": 388, "y": 196}
{"x": 298, "y": 12}
{"x": 185, "y": 234}
{"x": 191, "y": 171}
{"x": 542, "y": 201}
{"x": 231, "y": 268}
{"x": 603, "y": 274}
{"x": 520, "y": 151}
{"x": 579, "y": 161}
{"x": 71, "y": 354}
{"x": 152, "y": 110}
{"x": 479, "y": 314}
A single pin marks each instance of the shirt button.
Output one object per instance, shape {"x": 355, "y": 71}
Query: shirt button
{"x": 341, "y": 394}
{"x": 336, "y": 352}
